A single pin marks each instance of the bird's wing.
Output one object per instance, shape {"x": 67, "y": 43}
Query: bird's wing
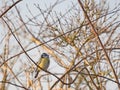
{"x": 47, "y": 63}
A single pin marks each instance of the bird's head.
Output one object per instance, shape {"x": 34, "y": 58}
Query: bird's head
{"x": 44, "y": 55}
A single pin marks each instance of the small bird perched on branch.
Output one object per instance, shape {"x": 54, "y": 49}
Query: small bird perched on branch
{"x": 43, "y": 63}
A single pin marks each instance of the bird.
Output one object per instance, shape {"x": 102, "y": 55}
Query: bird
{"x": 44, "y": 63}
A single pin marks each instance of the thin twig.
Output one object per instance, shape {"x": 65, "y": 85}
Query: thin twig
{"x": 10, "y": 8}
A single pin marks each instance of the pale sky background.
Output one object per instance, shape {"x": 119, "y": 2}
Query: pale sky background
{"x": 61, "y": 8}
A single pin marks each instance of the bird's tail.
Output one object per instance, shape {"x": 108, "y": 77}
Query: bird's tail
{"x": 36, "y": 74}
